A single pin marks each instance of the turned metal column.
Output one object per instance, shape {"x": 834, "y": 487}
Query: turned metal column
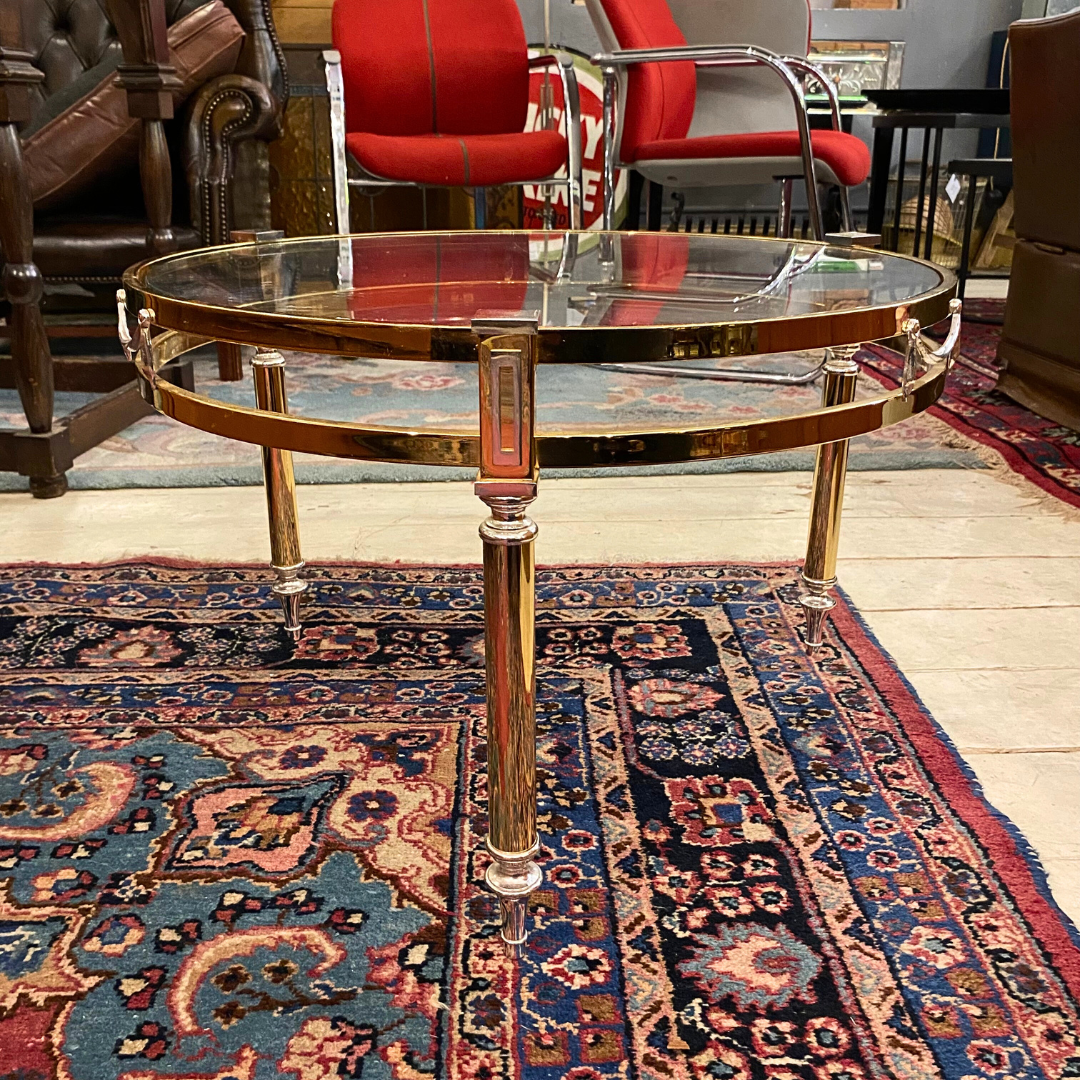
{"x": 268, "y": 369}
{"x": 819, "y": 570}
{"x": 507, "y": 484}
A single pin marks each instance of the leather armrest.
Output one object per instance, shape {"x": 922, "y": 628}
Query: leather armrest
{"x": 226, "y": 111}
{"x": 262, "y": 57}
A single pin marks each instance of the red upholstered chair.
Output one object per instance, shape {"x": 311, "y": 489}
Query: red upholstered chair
{"x": 436, "y": 93}
{"x": 709, "y": 93}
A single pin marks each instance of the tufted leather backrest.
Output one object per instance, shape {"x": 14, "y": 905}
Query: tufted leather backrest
{"x": 65, "y": 38}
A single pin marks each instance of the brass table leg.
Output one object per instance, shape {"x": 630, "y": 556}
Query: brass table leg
{"x": 819, "y": 570}
{"x": 268, "y": 369}
{"x": 507, "y": 484}
{"x": 509, "y": 584}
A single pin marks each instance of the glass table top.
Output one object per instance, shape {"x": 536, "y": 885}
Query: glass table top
{"x": 566, "y": 281}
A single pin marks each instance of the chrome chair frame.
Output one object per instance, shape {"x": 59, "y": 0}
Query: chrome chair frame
{"x": 727, "y": 56}
{"x": 331, "y": 59}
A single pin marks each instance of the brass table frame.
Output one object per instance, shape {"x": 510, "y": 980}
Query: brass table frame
{"x": 509, "y": 452}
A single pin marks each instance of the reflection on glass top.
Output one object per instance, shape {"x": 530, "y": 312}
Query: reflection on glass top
{"x": 565, "y": 279}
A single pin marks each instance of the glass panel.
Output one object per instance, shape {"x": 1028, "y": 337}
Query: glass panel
{"x": 614, "y": 279}
{"x": 424, "y": 395}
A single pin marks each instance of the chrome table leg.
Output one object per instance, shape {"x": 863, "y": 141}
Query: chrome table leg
{"x": 819, "y": 570}
{"x": 268, "y": 369}
{"x": 507, "y": 484}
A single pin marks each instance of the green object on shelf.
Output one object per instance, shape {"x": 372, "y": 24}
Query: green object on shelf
{"x": 853, "y": 101}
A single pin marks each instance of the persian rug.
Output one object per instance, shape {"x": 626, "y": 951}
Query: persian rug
{"x": 226, "y": 859}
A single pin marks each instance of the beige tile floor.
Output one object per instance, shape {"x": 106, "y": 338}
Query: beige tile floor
{"x": 971, "y": 583}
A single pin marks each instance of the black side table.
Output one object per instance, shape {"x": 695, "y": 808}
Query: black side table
{"x": 933, "y": 111}
{"x": 999, "y": 170}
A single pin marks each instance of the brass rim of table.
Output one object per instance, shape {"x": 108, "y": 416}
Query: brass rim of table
{"x": 557, "y": 345}
{"x": 555, "y": 449}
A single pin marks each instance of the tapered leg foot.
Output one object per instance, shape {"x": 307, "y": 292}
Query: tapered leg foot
{"x": 513, "y": 878}
{"x": 48, "y": 487}
{"x": 268, "y": 369}
{"x": 289, "y": 589}
{"x": 819, "y": 569}
{"x": 816, "y": 604}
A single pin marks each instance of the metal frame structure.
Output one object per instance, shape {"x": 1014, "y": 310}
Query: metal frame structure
{"x": 357, "y": 177}
{"x": 509, "y": 453}
{"x": 727, "y": 56}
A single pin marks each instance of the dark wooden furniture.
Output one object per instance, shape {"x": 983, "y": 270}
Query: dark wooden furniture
{"x": 90, "y": 242}
{"x": 1040, "y": 341}
{"x": 933, "y": 111}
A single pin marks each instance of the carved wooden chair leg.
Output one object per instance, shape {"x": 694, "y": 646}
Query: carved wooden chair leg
{"x": 22, "y": 280}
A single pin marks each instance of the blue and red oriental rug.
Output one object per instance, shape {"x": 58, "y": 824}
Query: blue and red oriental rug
{"x": 220, "y": 858}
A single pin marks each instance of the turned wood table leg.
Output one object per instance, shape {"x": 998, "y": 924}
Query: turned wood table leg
{"x": 22, "y": 281}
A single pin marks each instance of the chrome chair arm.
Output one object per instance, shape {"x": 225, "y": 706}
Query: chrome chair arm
{"x": 706, "y": 56}
{"x": 800, "y": 63}
{"x": 572, "y": 109}
{"x": 335, "y": 89}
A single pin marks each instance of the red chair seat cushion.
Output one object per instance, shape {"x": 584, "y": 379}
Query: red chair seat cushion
{"x": 459, "y": 160}
{"x": 847, "y": 156}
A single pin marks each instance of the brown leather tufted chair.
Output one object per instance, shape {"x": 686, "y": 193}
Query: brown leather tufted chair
{"x": 173, "y": 195}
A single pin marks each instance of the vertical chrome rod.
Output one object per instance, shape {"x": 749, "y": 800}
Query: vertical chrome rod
{"x": 611, "y": 90}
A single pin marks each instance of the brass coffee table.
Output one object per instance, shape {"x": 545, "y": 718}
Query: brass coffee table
{"x": 688, "y": 305}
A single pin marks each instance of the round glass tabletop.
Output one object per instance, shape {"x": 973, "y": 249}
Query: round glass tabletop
{"x": 595, "y": 297}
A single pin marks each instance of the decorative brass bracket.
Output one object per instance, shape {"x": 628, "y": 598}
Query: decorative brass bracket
{"x": 507, "y": 368}
{"x": 918, "y": 357}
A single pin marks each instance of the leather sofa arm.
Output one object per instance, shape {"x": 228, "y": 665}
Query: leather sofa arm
{"x": 262, "y": 57}
{"x": 224, "y": 112}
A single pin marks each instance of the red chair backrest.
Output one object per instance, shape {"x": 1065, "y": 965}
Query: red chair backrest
{"x": 659, "y": 97}
{"x": 418, "y": 67}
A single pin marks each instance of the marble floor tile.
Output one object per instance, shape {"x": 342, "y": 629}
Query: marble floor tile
{"x": 1063, "y": 877}
{"x": 1039, "y": 792}
{"x": 1016, "y": 639}
{"x": 990, "y": 582}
